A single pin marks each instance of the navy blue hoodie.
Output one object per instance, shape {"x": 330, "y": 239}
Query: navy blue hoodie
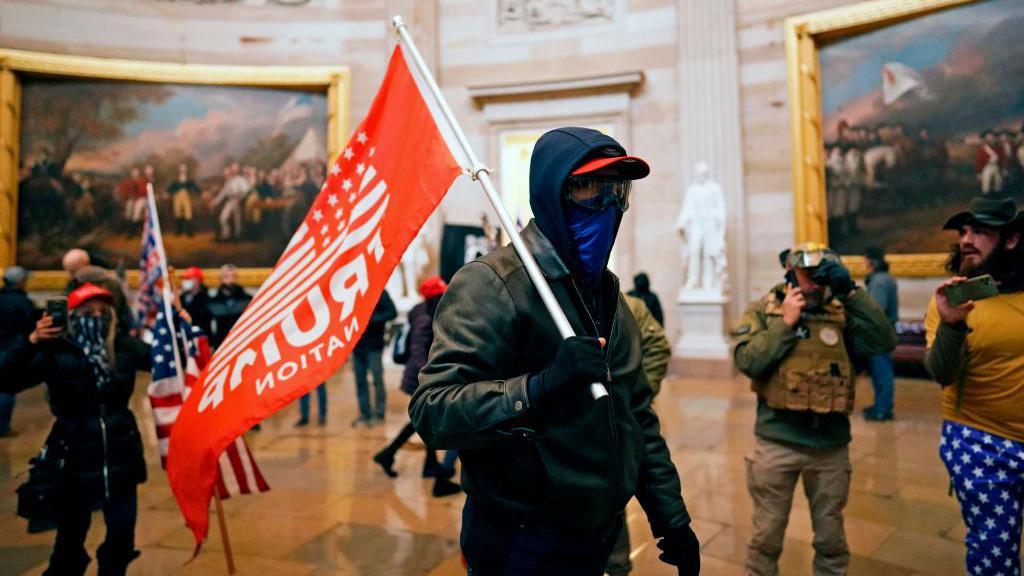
{"x": 555, "y": 156}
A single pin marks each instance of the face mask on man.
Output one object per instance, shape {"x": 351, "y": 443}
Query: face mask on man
{"x": 188, "y": 285}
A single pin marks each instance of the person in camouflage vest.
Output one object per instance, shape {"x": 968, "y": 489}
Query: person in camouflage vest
{"x": 795, "y": 345}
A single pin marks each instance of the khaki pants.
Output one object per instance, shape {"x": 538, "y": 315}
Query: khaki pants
{"x": 182, "y": 205}
{"x": 772, "y": 473}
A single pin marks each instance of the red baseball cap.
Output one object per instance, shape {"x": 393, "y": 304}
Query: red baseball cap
{"x": 433, "y": 286}
{"x": 86, "y": 292}
{"x": 193, "y": 273}
{"x": 629, "y": 167}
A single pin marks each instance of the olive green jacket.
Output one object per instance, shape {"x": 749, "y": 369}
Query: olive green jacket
{"x": 762, "y": 341}
{"x": 654, "y": 344}
{"x": 577, "y": 470}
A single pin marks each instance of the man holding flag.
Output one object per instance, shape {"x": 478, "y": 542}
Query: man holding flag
{"x": 547, "y": 468}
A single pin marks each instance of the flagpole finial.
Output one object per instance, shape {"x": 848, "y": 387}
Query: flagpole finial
{"x": 398, "y": 22}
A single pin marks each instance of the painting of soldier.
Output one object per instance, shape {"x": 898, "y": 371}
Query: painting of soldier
{"x": 919, "y": 117}
{"x": 213, "y": 155}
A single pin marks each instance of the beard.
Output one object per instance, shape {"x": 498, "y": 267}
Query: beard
{"x": 1002, "y": 263}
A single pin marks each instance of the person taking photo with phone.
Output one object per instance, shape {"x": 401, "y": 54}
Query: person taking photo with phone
{"x": 795, "y": 345}
{"x": 94, "y": 449}
{"x": 976, "y": 352}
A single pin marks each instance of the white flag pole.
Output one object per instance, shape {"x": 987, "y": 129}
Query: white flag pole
{"x": 482, "y": 175}
{"x": 179, "y": 369}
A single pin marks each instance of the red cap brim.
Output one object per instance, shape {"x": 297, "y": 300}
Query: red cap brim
{"x": 629, "y": 167}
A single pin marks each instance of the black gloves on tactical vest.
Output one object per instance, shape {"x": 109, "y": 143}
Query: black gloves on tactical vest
{"x": 579, "y": 362}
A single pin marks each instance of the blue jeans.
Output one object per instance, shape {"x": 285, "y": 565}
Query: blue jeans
{"x": 6, "y": 409}
{"x": 321, "y": 404}
{"x": 361, "y": 361}
{"x": 881, "y": 371}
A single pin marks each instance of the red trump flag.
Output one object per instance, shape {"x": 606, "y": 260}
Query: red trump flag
{"x": 303, "y": 322}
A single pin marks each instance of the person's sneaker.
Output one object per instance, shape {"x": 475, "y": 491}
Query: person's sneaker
{"x": 321, "y": 422}
{"x": 444, "y": 488}
{"x": 361, "y": 422}
{"x": 303, "y": 422}
{"x": 386, "y": 461}
{"x": 878, "y": 416}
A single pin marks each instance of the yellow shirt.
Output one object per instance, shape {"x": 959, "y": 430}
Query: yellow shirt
{"x": 993, "y": 396}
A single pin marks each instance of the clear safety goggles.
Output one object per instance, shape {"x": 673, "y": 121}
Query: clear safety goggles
{"x": 594, "y": 193}
{"x": 811, "y": 258}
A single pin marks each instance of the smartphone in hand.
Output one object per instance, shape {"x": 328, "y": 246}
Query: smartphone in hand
{"x": 977, "y": 288}
{"x": 57, "y": 309}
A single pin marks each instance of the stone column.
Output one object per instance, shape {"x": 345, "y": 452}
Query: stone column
{"x": 709, "y": 130}
{"x": 423, "y": 19}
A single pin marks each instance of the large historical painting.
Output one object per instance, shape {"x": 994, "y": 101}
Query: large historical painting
{"x": 918, "y": 117}
{"x": 233, "y": 169}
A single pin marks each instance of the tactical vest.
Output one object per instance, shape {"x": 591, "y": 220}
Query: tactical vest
{"x": 817, "y": 374}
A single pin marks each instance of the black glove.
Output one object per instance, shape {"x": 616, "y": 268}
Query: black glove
{"x": 681, "y": 549}
{"x": 835, "y": 276}
{"x": 578, "y": 363}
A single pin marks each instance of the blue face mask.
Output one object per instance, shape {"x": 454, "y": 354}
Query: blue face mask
{"x": 593, "y": 233}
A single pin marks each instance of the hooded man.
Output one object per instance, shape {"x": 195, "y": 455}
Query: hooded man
{"x": 547, "y": 468}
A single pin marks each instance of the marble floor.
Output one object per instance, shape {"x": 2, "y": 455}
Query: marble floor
{"x": 333, "y": 511}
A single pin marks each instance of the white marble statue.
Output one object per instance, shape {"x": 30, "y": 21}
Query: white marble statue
{"x": 701, "y": 224}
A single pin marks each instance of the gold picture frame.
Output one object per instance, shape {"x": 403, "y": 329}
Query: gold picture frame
{"x": 803, "y": 36}
{"x": 335, "y": 81}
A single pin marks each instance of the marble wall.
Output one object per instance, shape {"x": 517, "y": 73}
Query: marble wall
{"x": 474, "y": 45}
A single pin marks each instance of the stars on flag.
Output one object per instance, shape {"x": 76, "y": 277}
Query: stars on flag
{"x": 335, "y": 169}
{"x": 360, "y": 168}
{"x": 332, "y": 199}
{"x": 338, "y": 213}
{"x": 348, "y": 154}
{"x": 361, "y": 138}
{"x": 346, "y": 184}
{"x": 318, "y": 215}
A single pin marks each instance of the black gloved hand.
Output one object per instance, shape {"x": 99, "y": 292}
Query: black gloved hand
{"x": 578, "y": 363}
{"x": 835, "y": 276}
{"x": 681, "y": 549}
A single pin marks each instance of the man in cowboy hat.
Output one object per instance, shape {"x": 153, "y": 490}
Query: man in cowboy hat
{"x": 795, "y": 345}
{"x": 974, "y": 352}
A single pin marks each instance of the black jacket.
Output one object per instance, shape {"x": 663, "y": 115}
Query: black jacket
{"x": 198, "y": 307}
{"x": 17, "y": 314}
{"x": 226, "y": 308}
{"x": 492, "y": 332}
{"x": 418, "y": 341}
{"x": 95, "y": 432}
{"x": 373, "y": 338}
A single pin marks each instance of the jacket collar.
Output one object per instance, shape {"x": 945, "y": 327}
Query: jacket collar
{"x": 544, "y": 252}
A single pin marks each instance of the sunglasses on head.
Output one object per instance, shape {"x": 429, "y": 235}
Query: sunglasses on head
{"x": 597, "y": 193}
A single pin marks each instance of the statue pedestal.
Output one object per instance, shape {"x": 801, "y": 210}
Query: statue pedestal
{"x": 702, "y": 351}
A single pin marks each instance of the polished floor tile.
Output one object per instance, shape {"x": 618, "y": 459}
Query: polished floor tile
{"x": 331, "y": 510}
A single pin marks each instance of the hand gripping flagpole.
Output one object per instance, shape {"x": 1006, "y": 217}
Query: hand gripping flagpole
{"x": 482, "y": 174}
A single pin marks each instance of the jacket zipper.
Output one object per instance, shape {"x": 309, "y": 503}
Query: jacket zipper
{"x": 616, "y": 470}
{"x": 106, "y": 473}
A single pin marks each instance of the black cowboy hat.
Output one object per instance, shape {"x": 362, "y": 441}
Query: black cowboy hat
{"x": 987, "y": 212}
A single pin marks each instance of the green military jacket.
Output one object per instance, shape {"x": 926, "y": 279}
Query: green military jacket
{"x": 763, "y": 341}
{"x": 653, "y": 343}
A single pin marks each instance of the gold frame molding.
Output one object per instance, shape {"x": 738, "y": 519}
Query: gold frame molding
{"x": 803, "y": 37}
{"x": 335, "y": 81}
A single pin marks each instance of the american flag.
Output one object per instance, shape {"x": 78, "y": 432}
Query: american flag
{"x": 151, "y": 270}
{"x": 239, "y": 473}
